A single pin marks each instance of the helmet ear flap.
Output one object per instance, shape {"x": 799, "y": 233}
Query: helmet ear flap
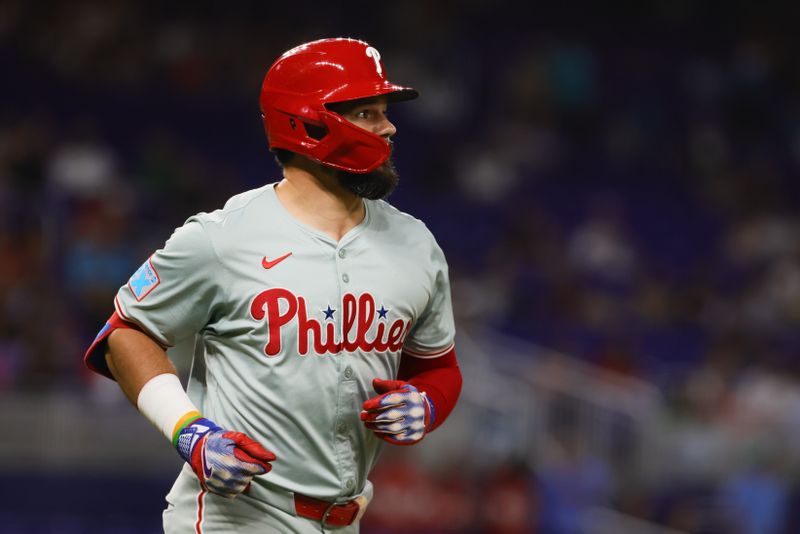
{"x": 294, "y": 118}
{"x": 348, "y": 147}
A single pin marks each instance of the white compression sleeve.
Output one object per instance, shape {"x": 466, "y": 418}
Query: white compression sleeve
{"x": 164, "y": 403}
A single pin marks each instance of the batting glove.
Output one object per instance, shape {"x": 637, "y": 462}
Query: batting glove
{"x": 400, "y": 414}
{"x": 224, "y": 461}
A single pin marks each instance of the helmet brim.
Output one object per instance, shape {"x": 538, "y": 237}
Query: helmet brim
{"x": 406, "y": 93}
{"x": 394, "y": 93}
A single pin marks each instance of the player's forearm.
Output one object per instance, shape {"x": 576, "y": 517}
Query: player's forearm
{"x": 134, "y": 359}
{"x": 147, "y": 376}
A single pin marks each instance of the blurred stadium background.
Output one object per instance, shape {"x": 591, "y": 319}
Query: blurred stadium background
{"x": 616, "y": 188}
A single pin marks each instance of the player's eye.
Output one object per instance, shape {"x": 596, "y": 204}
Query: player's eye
{"x": 370, "y": 114}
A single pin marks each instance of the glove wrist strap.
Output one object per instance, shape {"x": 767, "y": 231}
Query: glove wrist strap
{"x": 431, "y": 411}
{"x": 190, "y": 435}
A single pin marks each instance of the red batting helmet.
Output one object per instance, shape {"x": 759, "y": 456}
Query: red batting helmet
{"x": 306, "y": 78}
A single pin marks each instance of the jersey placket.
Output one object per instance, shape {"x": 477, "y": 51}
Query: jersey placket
{"x": 347, "y": 395}
{"x": 348, "y": 390}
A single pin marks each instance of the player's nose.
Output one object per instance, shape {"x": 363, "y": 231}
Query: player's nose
{"x": 386, "y": 129}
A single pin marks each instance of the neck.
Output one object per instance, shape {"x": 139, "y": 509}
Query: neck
{"x": 314, "y": 197}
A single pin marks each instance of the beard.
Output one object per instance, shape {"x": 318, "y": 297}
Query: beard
{"x": 375, "y": 185}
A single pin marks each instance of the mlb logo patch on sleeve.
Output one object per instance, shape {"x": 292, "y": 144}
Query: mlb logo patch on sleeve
{"x": 144, "y": 280}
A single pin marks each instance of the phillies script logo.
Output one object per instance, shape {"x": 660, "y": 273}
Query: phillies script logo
{"x": 359, "y": 315}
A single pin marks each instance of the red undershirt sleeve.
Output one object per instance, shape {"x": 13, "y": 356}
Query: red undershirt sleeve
{"x": 439, "y": 378}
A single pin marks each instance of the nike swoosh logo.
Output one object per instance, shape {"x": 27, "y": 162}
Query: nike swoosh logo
{"x": 207, "y": 470}
{"x": 267, "y": 264}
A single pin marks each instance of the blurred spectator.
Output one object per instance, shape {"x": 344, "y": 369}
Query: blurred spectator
{"x": 97, "y": 258}
{"x": 509, "y": 503}
{"x": 601, "y": 248}
{"x": 570, "y": 479}
{"x": 82, "y": 166}
{"x": 756, "y": 498}
{"x": 409, "y": 499}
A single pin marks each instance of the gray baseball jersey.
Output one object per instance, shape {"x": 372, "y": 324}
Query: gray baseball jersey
{"x": 291, "y": 328}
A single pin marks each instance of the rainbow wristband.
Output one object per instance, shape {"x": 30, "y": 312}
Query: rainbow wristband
{"x": 182, "y": 423}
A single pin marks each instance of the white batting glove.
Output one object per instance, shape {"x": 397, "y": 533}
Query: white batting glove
{"x": 223, "y": 460}
{"x": 400, "y": 414}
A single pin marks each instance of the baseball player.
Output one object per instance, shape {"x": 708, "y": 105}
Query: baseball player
{"x": 321, "y": 317}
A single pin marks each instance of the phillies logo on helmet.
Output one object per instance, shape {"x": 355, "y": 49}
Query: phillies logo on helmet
{"x": 279, "y": 306}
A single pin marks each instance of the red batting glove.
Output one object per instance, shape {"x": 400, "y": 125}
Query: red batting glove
{"x": 400, "y": 414}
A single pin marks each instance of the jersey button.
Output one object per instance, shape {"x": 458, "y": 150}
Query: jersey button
{"x": 348, "y": 373}
{"x": 345, "y": 278}
{"x": 349, "y": 484}
{"x": 342, "y": 253}
{"x": 342, "y": 428}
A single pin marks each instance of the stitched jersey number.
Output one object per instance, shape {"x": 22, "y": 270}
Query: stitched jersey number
{"x": 376, "y": 57}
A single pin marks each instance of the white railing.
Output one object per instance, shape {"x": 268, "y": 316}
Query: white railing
{"x": 519, "y": 400}
{"x": 607, "y": 521}
{"x": 528, "y": 404}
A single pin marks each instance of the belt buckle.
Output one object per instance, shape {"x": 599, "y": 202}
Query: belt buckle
{"x": 327, "y": 512}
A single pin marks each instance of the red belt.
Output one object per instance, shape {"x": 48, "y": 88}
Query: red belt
{"x": 329, "y": 513}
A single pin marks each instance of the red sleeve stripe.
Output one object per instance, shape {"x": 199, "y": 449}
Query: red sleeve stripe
{"x": 136, "y": 325}
{"x": 436, "y": 354}
{"x": 198, "y": 526}
{"x": 118, "y": 307}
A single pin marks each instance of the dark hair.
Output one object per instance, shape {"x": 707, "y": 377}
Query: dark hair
{"x": 283, "y": 156}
